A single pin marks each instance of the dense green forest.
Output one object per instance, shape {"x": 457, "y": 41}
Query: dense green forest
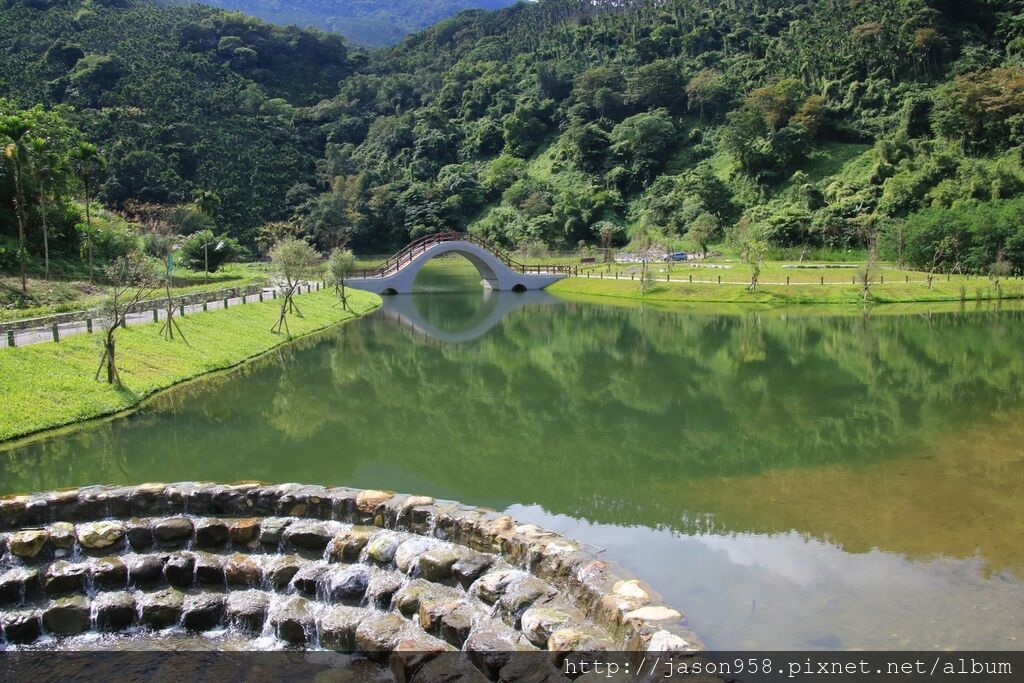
{"x": 836, "y": 124}
{"x": 370, "y": 23}
{"x": 178, "y": 100}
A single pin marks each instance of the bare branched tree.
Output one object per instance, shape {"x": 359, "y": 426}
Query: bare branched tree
{"x": 162, "y": 241}
{"x": 868, "y": 271}
{"x": 1000, "y": 269}
{"x": 945, "y": 246}
{"x": 130, "y": 279}
{"x": 645, "y": 237}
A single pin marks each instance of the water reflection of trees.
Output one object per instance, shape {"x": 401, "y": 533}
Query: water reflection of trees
{"x": 607, "y": 414}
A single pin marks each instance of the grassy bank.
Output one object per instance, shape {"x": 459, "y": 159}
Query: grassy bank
{"x": 973, "y": 289}
{"x": 51, "y": 385}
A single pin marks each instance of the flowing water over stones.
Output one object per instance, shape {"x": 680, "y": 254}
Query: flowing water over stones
{"x": 367, "y": 572}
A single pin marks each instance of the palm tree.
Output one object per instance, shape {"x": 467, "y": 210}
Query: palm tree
{"x": 44, "y": 166}
{"x": 16, "y": 129}
{"x": 206, "y": 202}
{"x": 87, "y": 161}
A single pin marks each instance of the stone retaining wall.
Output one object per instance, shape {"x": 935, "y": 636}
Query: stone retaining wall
{"x": 38, "y": 529}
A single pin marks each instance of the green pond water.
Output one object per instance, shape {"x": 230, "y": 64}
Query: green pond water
{"x": 807, "y": 480}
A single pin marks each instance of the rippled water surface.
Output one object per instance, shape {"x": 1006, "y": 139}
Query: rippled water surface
{"x": 799, "y": 480}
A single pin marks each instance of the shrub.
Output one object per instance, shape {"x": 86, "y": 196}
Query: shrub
{"x": 220, "y": 249}
{"x": 973, "y": 236}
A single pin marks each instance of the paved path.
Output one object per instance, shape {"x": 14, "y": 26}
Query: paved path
{"x": 86, "y": 325}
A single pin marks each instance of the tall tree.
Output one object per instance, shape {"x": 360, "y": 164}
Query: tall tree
{"x": 16, "y": 130}
{"x": 45, "y": 165}
{"x": 87, "y": 161}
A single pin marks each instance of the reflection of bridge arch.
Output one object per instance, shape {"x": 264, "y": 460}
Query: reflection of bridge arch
{"x": 497, "y": 269}
{"x": 403, "y": 310}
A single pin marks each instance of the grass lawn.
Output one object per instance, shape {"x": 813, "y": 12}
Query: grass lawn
{"x": 899, "y": 292}
{"x": 776, "y": 273}
{"x": 51, "y": 385}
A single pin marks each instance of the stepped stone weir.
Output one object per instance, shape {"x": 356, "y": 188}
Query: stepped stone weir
{"x": 368, "y": 572}
{"x": 498, "y": 270}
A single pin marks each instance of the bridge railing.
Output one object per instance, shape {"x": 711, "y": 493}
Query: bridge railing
{"x": 395, "y": 263}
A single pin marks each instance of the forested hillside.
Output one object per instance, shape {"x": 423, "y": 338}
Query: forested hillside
{"x": 178, "y": 99}
{"x": 370, "y": 23}
{"x": 818, "y": 123}
{"x": 835, "y": 124}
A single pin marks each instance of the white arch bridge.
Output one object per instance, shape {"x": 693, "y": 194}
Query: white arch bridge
{"x": 497, "y": 269}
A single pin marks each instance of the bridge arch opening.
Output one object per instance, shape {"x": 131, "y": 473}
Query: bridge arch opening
{"x": 519, "y": 287}
{"x": 453, "y": 271}
{"x": 389, "y": 291}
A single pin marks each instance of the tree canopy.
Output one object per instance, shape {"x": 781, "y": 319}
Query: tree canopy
{"x": 540, "y": 121}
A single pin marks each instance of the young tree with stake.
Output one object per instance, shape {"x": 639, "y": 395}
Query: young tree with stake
{"x": 1000, "y": 269}
{"x": 162, "y": 242}
{"x": 644, "y": 239}
{"x": 340, "y": 264}
{"x": 607, "y": 232}
{"x": 868, "y": 271}
{"x": 291, "y": 260}
{"x": 753, "y": 249}
{"x": 130, "y": 279}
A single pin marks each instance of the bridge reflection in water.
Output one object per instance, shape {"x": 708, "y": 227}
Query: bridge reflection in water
{"x": 428, "y": 315}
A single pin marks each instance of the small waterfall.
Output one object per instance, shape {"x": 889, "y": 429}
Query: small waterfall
{"x": 281, "y": 546}
{"x": 312, "y": 629}
{"x": 76, "y": 554}
{"x": 326, "y": 557}
{"x": 93, "y": 623}
{"x": 129, "y": 558}
{"x": 406, "y": 580}
{"x": 90, "y": 585}
{"x": 270, "y": 615}
{"x": 269, "y": 632}
{"x": 191, "y": 542}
